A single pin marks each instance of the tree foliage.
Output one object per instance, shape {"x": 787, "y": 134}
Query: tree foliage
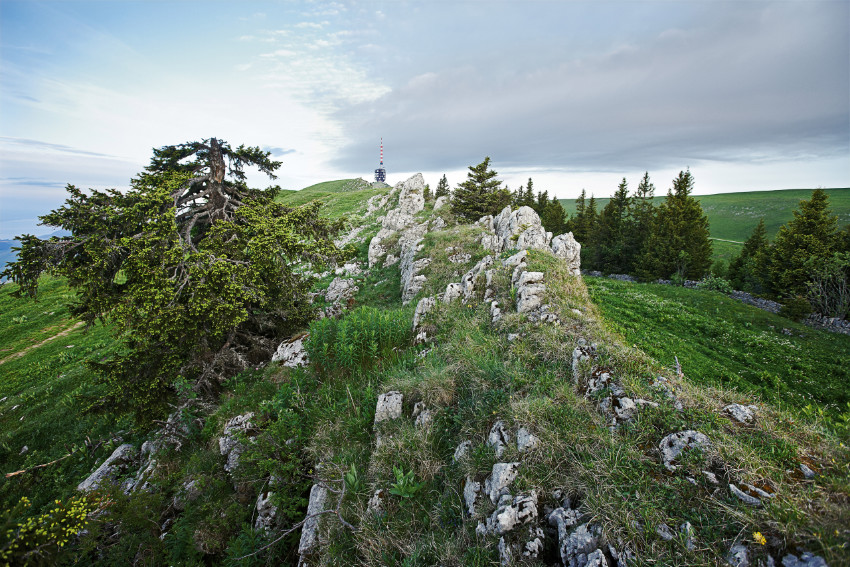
{"x": 481, "y": 194}
{"x": 678, "y": 244}
{"x": 811, "y": 236}
{"x": 194, "y": 269}
{"x": 611, "y": 235}
{"x": 748, "y": 270}
{"x": 442, "y": 188}
{"x": 551, "y": 212}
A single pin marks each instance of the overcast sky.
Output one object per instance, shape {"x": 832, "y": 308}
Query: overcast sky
{"x": 749, "y": 95}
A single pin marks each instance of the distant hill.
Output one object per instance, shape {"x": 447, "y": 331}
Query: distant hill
{"x": 733, "y": 216}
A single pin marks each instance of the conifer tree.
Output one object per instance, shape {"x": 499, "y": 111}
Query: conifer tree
{"x": 442, "y": 188}
{"x": 678, "y": 245}
{"x": 426, "y": 194}
{"x": 811, "y": 236}
{"x": 576, "y": 222}
{"x": 590, "y": 222}
{"x": 611, "y": 242}
{"x": 553, "y": 216}
{"x": 640, "y": 221}
{"x": 748, "y": 270}
{"x": 481, "y": 194}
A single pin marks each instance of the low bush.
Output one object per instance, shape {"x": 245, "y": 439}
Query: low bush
{"x": 358, "y": 340}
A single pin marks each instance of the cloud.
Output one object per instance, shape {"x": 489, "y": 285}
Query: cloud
{"x": 763, "y": 82}
{"x": 46, "y": 146}
{"x": 276, "y": 152}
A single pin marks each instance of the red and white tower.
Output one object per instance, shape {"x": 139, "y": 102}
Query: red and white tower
{"x": 381, "y": 173}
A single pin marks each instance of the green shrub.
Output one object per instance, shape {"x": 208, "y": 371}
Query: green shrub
{"x": 715, "y": 283}
{"x": 796, "y": 308}
{"x": 360, "y": 339}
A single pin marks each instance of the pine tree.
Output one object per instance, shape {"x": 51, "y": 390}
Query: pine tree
{"x": 553, "y": 217}
{"x": 442, "y": 188}
{"x": 481, "y": 194}
{"x": 811, "y": 236}
{"x": 678, "y": 245}
{"x": 610, "y": 249}
{"x": 426, "y": 194}
{"x": 528, "y": 197}
{"x": 575, "y": 224}
{"x": 640, "y": 222}
{"x": 590, "y": 223}
{"x": 748, "y": 270}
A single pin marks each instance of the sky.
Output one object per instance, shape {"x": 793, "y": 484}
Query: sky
{"x": 749, "y": 95}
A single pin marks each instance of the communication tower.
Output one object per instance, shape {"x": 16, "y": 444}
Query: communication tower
{"x": 381, "y": 173}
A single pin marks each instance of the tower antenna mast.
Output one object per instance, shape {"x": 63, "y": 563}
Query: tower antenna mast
{"x": 381, "y": 173}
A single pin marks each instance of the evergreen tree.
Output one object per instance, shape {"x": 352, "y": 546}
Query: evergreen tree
{"x": 553, "y": 217}
{"x": 590, "y": 222}
{"x": 576, "y": 222}
{"x": 748, "y": 270}
{"x": 811, "y": 236}
{"x": 426, "y": 194}
{"x": 528, "y": 198}
{"x": 481, "y": 194}
{"x": 640, "y": 221}
{"x": 678, "y": 245}
{"x": 442, "y": 188}
{"x": 611, "y": 238}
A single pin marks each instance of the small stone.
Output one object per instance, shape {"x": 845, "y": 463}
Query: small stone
{"x": 807, "y": 559}
{"x": 498, "y": 438}
{"x": 663, "y": 530}
{"x": 525, "y": 440}
{"x": 462, "y": 451}
{"x": 738, "y": 556}
{"x": 688, "y": 530}
{"x": 471, "y": 489}
{"x": 309, "y": 530}
{"x": 376, "y": 502}
{"x": 500, "y": 478}
{"x": 389, "y": 406}
{"x": 807, "y": 472}
{"x": 744, "y": 497}
{"x": 675, "y": 443}
{"x": 741, "y": 414}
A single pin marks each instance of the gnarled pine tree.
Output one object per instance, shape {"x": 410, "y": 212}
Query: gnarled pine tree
{"x": 193, "y": 268}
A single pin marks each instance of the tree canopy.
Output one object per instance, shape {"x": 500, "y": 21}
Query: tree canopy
{"x": 194, "y": 269}
{"x": 481, "y": 194}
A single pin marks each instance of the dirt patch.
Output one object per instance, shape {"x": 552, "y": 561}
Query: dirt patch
{"x": 47, "y": 340}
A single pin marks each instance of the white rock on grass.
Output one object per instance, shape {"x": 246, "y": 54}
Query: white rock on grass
{"x": 807, "y": 559}
{"x": 741, "y": 414}
{"x": 106, "y": 472}
{"x": 499, "y": 438}
{"x": 744, "y": 497}
{"x": 308, "y": 546}
{"x": 462, "y": 450}
{"x": 566, "y": 247}
{"x": 422, "y": 308}
{"x": 738, "y": 556}
{"x": 453, "y": 291}
{"x": 674, "y": 444}
{"x": 291, "y": 352}
{"x": 389, "y": 406}
{"x": 471, "y": 488}
{"x": 496, "y": 485}
{"x": 440, "y": 202}
{"x": 521, "y": 510}
{"x": 341, "y": 289}
{"x": 525, "y": 439}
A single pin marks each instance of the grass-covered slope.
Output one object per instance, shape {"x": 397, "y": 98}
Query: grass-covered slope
{"x": 733, "y": 216}
{"x": 316, "y": 424}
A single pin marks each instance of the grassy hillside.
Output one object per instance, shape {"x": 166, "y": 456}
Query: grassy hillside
{"x": 317, "y": 424}
{"x": 733, "y": 216}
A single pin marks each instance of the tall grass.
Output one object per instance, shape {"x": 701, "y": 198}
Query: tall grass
{"x": 359, "y": 340}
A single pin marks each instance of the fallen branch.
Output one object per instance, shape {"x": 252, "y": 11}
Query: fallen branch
{"x": 16, "y": 473}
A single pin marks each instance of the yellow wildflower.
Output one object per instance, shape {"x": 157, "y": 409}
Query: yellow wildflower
{"x": 759, "y": 538}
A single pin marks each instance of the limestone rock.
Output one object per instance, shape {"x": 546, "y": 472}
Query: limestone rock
{"x": 440, "y": 202}
{"x": 460, "y": 258}
{"x": 566, "y": 247}
{"x": 673, "y": 445}
{"x": 111, "y": 467}
{"x": 229, "y": 445}
{"x": 500, "y": 478}
{"x": 515, "y": 260}
{"x": 520, "y": 510}
{"x": 423, "y": 415}
{"x": 390, "y": 260}
{"x": 376, "y": 502}
{"x": 308, "y": 545}
{"x": 411, "y": 198}
{"x": 499, "y": 438}
{"x": 576, "y": 550}
{"x": 462, "y": 450}
{"x": 266, "y": 512}
{"x": 471, "y": 488}
{"x": 738, "y": 556}
{"x": 744, "y": 497}
{"x": 453, "y": 291}
{"x": 438, "y": 224}
{"x": 525, "y": 440}
{"x": 468, "y": 281}
{"x": 807, "y": 559}
{"x": 741, "y": 414}
{"x": 495, "y": 312}
{"x": 582, "y": 356}
{"x": 422, "y": 308}
{"x": 291, "y": 353}
{"x": 389, "y": 406}
{"x": 341, "y": 290}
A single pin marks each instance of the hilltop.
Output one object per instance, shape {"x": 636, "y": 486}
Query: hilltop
{"x": 467, "y": 399}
